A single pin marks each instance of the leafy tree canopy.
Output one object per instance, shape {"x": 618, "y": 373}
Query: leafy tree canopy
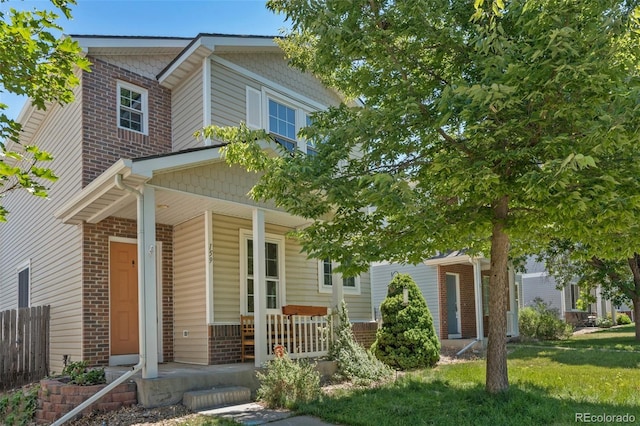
{"x": 36, "y": 61}
{"x": 488, "y": 125}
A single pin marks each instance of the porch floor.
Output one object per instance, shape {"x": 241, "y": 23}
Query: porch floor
{"x": 174, "y": 379}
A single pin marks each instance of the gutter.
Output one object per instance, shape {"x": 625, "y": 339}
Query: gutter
{"x": 71, "y": 414}
{"x": 141, "y": 268}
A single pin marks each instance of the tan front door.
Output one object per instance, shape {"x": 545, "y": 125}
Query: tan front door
{"x": 123, "y": 281}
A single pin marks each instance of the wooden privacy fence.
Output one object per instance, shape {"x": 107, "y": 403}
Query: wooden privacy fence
{"x": 24, "y": 346}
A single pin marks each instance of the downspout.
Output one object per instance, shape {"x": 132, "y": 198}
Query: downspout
{"x": 71, "y": 414}
{"x": 141, "y": 261}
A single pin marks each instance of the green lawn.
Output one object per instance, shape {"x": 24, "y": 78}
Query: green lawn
{"x": 618, "y": 338}
{"x": 549, "y": 385}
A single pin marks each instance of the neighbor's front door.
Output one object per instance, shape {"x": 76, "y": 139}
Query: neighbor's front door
{"x": 123, "y": 299}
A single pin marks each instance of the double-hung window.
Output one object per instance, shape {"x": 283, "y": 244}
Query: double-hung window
{"x": 132, "y": 108}
{"x": 281, "y": 116}
{"x": 274, "y": 267}
{"x": 327, "y": 276}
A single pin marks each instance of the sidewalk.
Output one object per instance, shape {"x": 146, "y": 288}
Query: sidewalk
{"x": 256, "y": 414}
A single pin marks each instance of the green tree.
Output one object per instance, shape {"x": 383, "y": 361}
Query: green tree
{"x": 36, "y": 61}
{"x": 492, "y": 127}
{"x": 618, "y": 279}
{"x": 407, "y": 338}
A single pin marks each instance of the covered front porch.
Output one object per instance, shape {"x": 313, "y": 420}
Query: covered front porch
{"x": 463, "y": 288}
{"x": 230, "y": 257}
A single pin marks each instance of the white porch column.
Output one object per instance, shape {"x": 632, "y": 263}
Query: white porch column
{"x": 477, "y": 292}
{"x": 513, "y": 304}
{"x": 259, "y": 287}
{"x": 148, "y": 304}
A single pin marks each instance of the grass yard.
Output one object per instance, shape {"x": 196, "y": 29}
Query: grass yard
{"x": 549, "y": 385}
{"x": 620, "y": 338}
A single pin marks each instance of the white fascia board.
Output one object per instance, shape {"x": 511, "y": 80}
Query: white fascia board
{"x": 149, "y": 166}
{"x": 465, "y": 258}
{"x": 87, "y": 43}
{"x": 184, "y": 56}
{"x": 94, "y": 190}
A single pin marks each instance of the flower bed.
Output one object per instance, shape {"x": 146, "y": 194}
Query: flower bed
{"x": 56, "y": 398}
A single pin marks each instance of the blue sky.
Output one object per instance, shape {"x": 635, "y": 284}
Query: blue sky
{"x": 181, "y": 18}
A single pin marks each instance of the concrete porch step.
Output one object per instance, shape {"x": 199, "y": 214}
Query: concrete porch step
{"x": 216, "y": 397}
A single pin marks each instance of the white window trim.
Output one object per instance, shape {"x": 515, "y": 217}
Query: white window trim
{"x": 21, "y": 267}
{"x": 145, "y": 105}
{"x": 326, "y": 289}
{"x": 245, "y": 235}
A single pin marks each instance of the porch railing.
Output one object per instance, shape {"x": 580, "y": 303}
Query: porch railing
{"x": 302, "y": 336}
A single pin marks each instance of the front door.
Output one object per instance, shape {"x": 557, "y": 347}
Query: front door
{"x": 123, "y": 298}
{"x": 453, "y": 317}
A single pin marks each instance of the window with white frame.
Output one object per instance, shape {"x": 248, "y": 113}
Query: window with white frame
{"x": 24, "y": 278}
{"x": 281, "y": 116}
{"x": 274, "y": 268}
{"x": 132, "y": 107}
{"x": 327, "y": 276}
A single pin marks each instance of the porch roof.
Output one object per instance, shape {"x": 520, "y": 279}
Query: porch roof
{"x": 103, "y": 198}
{"x": 455, "y": 257}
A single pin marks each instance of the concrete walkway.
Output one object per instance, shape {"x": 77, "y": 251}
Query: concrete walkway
{"x": 256, "y": 414}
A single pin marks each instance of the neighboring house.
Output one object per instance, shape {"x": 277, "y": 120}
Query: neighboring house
{"x": 455, "y": 286}
{"x": 144, "y": 209}
{"x": 536, "y": 282}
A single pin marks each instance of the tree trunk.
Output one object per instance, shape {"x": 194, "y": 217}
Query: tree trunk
{"x": 497, "y": 377}
{"x": 634, "y": 264}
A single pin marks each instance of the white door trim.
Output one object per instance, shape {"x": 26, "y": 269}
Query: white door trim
{"x": 458, "y": 316}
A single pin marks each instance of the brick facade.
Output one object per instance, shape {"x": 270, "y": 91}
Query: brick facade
{"x": 103, "y": 142}
{"x": 224, "y": 344}
{"x": 95, "y": 288}
{"x": 467, "y": 307}
{"x": 365, "y": 333}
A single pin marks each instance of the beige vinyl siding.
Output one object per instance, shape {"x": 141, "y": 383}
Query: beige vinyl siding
{"x": 189, "y": 293}
{"x": 186, "y": 112}
{"x": 228, "y": 95}
{"x": 228, "y": 88}
{"x": 226, "y": 267}
{"x": 53, "y": 248}
{"x": 274, "y": 67}
{"x": 301, "y": 274}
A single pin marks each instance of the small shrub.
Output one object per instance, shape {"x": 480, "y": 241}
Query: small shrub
{"x": 355, "y": 363}
{"x": 287, "y": 383}
{"x": 623, "y": 319}
{"x": 80, "y": 374}
{"x": 541, "y": 322}
{"x": 604, "y": 322}
{"x": 407, "y": 338}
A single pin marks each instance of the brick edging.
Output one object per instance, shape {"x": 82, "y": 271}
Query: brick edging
{"x": 56, "y": 398}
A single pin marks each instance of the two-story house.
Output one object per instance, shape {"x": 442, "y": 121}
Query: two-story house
{"x": 149, "y": 242}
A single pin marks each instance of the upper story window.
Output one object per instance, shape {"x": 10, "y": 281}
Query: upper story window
{"x": 327, "y": 276}
{"x": 281, "y": 116}
{"x": 132, "y": 108}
